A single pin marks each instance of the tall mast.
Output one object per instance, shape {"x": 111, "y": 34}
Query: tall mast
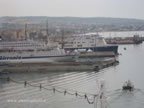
{"x": 62, "y": 39}
{"x": 47, "y": 32}
{"x": 25, "y": 31}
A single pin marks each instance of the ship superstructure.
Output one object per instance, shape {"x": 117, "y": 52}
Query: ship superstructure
{"x": 31, "y": 51}
{"x": 90, "y": 41}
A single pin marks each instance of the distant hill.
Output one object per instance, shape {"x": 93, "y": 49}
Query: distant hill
{"x": 99, "y": 20}
{"x": 91, "y": 20}
{"x": 102, "y": 23}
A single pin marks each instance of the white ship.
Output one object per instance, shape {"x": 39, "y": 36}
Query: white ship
{"x": 88, "y": 42}
{"x": 32, "y": 52}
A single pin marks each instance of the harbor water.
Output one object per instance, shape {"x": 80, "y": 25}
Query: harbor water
{"x": 131, "y": 58}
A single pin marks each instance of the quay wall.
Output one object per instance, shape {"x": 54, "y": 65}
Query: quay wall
{"x": 59, "y": 66}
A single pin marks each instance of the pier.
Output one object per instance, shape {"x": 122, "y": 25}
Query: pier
{"x": 58, "y": 66}
{"x": 98, "y": 54}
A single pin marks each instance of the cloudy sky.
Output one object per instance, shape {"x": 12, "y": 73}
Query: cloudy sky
{"x": 76, "y": 8}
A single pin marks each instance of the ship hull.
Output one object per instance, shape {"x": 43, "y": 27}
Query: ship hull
{"x": 100, "y": 48}
{"x": 36, "y": 59}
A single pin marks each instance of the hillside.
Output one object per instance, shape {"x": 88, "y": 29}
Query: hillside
{"x": 93, "y": 23}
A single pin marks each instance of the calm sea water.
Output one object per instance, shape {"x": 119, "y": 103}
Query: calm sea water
{"x": 14, "y": 95}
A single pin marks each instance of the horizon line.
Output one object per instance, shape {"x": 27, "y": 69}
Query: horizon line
{"x": 76, "y": 17}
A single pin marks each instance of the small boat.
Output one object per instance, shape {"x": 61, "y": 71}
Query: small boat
{"x": 128, "y": 85}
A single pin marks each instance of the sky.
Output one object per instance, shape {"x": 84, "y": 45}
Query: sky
{"x": 75, "y": 8}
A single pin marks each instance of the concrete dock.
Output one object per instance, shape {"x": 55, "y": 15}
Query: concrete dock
{"x": 58, "y": 66}
{"x": 98, "y": 54}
